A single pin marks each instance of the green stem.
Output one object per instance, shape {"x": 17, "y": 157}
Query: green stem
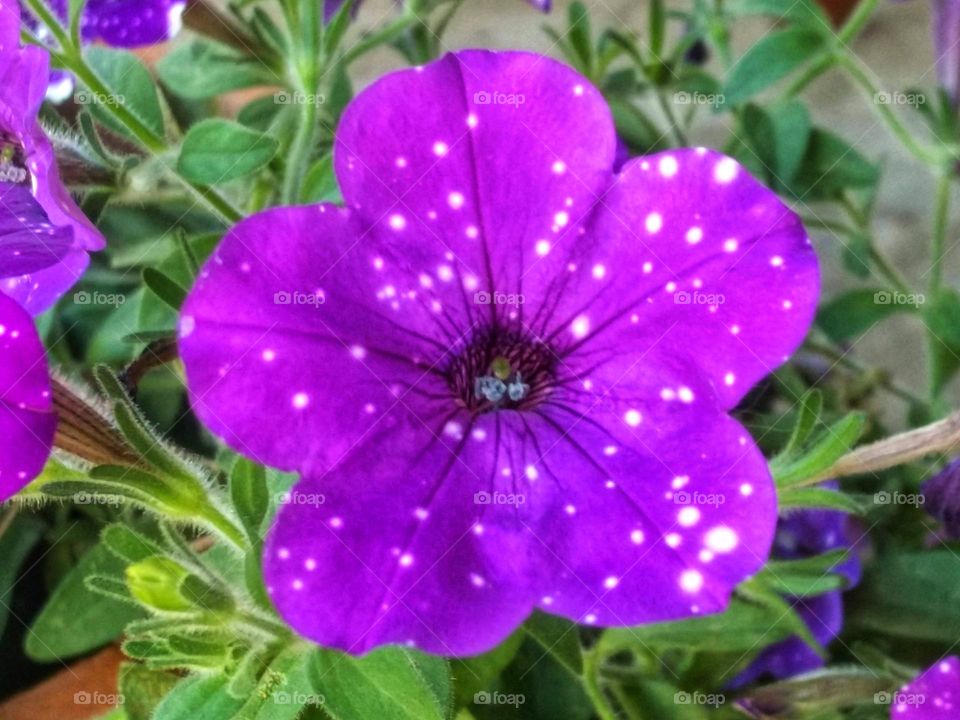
{"x": 222, "y": 524}
{"x": 938, "y": 239}
{"x": 306, "y": 43}
{"x": 924, "y": 154}
{"x": 591, "y": 685}
{"x": 940, "y": 226}
{"x": 851, "y": 28}
{"x": 671, "y": 119}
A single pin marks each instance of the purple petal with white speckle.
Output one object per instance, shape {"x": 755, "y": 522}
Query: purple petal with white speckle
{"x": 477, "y": 240}
{"x": 933, "y": 695}
{"x": 27, "y": 420}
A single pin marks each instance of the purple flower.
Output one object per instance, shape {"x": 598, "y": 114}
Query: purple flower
{"x": 126, "y": 23}
{"x": 46, "y": 238}
{"x": 27, "y": 420}
{"x": 503, "y": 372}
{"x": 118, "y": 23}
{"x": 942, "y": 498}
{"x": 330, "y": 7}
{"x": 933, "y": 695}
{"x": 802, "y": 534}
{"x": 946, "y": 45}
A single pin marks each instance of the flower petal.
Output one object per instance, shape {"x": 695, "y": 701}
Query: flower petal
{"x": 933, "y": 695}
{"x": 132, "y": 23}
{"x": 27, "y": 420}
{"x": 678, "y": 491}
{"x": 28, "y": 241}
{"x": 487, "y": 161}
{"x": 400, "y": 544}
{"x": 687, "y": 243}
{"x": 292, "y": 319}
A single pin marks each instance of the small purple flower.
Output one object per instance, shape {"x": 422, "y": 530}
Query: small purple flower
{"x": 801, "y": 534}
{"x": 933, "y": 695}
{"x": 942, "y": 498}
{"x": 27, "y": 420}
{"x": 47, "y": 235}
{"x": 946, "y": 45}
{"x": 503, "y": 371}
{"x": 118, "y": 23}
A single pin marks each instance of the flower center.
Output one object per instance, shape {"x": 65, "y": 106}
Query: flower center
{"x": 13, "y": 161}
{"x": 501, "y": 369}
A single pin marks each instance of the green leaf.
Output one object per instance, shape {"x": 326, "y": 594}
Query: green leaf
{"x": 831, "y": 445}
{"x": 127, "y": 544}
{"x": 853, "y": 313}
{"x": 474, "y": 674}
{"x": 199, "y": 698}
{"x": 204, "y": 69}
{"x": 286, "y": 687}
{"x": 819, "y": 498}
{"x": 320, "y": 184}
{"x": 76, "y": 620}
{"x": 218, "y": 150}
{"x": 742, "y": 627}
{"x": 251, "y": 500}
{"x": 778, "y": 137}
{"x": 806, "y": 12}
{"x": 808, "y": 413}
{"x": 942, "y": 315}
{"x": 769, "y": 60}
{"x": 164, "y": 288}
{"x": 806, "y": 577}
{"x": 142, "y": 689}
{"x": 831, "y": 166}
{"x": 16, "y": 542}
{"x": 912, "y": 595}
{"x": 559, "y": 638}
{"x": 390, "y": 682}
{"x": 130, "y": 86}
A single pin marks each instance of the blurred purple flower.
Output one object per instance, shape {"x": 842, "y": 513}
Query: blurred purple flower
{"x": 941, "y": 495}
{"x": 946, "y": 45}
{"x": 503, "y": 371}
{"x": 932, "y": 695}
{"x": 801, "y": 534}
{"x": 46, "y": 238}
{"x": 118, "y": 23}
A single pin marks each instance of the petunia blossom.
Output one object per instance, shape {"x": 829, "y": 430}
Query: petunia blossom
{"x": 57, "y": 231}
{"x": 503, "y": 371}
{"x": 807, "y": 533}
{"x": 27, "y": 420}
{"x": 933, "y": 695}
